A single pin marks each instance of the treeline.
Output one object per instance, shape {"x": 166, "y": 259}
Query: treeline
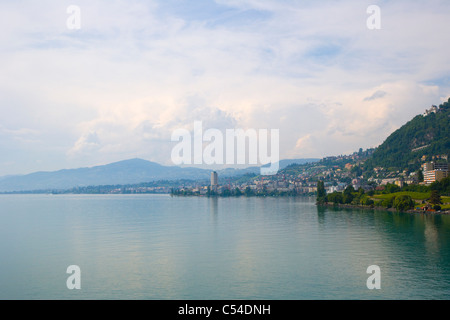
{"x": 359, "y": 198}
{"x": 248, "y": 192}
{"x": 144, "y": 187}
{"x": 442, "y": 187}
{"x": 401, "y": 202}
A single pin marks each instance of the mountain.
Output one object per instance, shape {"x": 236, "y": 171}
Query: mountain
{"x": 231, "y": 172}
{"x": 123, "y": 172}
{"x": 287, "y": 162}
{"x": 8, "y": 176}
{"x": 425, "y": 135}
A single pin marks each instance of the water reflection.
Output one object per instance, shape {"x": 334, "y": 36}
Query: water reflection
{"x": 410, "y": 248}
{"x": 321, "y": 214}
{"x": 431, "y": 233}
{"x": 214, "y": 208}
{"x": 260, "y": 248}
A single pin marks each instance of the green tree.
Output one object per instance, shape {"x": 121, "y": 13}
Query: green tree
{"x": 442, "y": 186}
{"x": 335, "y": 197}
{"x": 348, "y": 196}
{"x": 357, "y": 171}
{"x": 365, "y": 200}
{"x": 392, "y": 188}
{"x": 321, "y": 192}
{"x": 248, "y": 191}
{"x": 388, "y": 203}
{"x": 349, "y": 190}
{"x": 403, "y": 202}
{"x": 435, "y": 198}
{"x": 420, "y": 175}
{"x": 226, "y": 193}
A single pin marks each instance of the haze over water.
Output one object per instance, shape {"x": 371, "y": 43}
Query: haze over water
{"x": 162, "y": 247}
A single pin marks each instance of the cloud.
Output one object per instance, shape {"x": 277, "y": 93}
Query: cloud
{"x": 377, "y": 95}
{"x": 18, "y": 132}
{"x": 137, "y": 70}
{"x": 85, "y": 144}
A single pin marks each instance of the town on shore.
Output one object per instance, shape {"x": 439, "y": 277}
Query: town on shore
{"x": 408, "y": 171}
{"x": 340, "y": 181}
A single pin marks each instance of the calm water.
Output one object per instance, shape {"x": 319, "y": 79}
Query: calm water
{"x": 158, "y": 247}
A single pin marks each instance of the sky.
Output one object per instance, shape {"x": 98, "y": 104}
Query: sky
{"x": 136, "y": 71}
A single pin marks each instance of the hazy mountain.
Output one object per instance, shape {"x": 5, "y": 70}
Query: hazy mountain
{"x": 8, "y": 176}
{"x": 231, "y": 172}
{"x": 287, "y": 162}
{"x": 122, "y": 172}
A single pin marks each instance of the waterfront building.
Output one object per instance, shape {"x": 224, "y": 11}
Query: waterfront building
{"x": 434, "y": 175}
{"x": 214, "y": 179}
{"x": 433, "y": 172}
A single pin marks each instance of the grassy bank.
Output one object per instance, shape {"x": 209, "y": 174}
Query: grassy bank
{"x": 414, "y": 195}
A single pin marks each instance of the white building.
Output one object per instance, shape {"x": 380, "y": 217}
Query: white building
{"x": 433, "y": 109}
{"x": 433, "y": 172}
{"x": 434, "y": 175}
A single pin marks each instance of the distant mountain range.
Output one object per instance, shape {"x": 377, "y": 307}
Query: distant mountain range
{"x": 123, "y": 172}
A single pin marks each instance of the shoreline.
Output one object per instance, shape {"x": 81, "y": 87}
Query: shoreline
{"x": 353, "y": 206}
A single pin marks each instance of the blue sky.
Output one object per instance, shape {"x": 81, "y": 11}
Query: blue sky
{"x": 138, "y": 70}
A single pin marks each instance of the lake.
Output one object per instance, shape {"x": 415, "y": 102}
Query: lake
{"x": 163, "y": 247}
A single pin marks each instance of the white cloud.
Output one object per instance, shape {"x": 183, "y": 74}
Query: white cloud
{"x": 138, "y": 70}
{"x": 86, "y": 144}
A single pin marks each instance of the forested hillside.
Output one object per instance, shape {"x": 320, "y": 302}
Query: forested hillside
{"x": 402, "y": 149}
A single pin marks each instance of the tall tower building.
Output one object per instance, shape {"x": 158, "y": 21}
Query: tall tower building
{"x": 214, "y": 179}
